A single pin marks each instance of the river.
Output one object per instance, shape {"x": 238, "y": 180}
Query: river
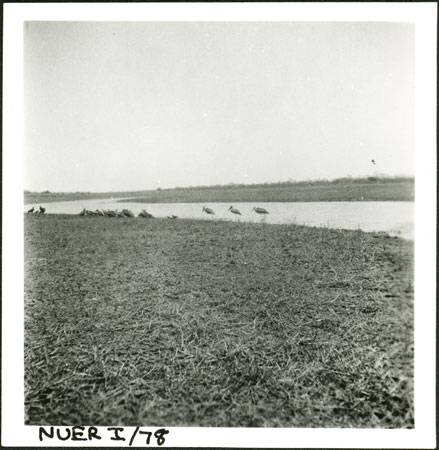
{"x": 395, "y": 218}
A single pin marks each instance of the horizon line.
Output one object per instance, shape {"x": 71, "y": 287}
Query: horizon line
{"x": 230, "y": 184}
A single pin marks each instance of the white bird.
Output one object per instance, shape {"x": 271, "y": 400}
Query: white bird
{"x": 234, "y": 210}
{"x": 208, "y": 210}
{"x": 260, "y": 210}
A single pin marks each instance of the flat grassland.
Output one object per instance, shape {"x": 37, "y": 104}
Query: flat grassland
{"x": 344, "y": 189}
{"x": 209, "y": 323}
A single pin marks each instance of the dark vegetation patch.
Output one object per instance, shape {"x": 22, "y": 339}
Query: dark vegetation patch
{"x": 342, "y": 189}
{"x": 196, "y": 323}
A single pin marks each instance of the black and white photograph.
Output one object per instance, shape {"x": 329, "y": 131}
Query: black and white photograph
{"x": 219, "y": 225}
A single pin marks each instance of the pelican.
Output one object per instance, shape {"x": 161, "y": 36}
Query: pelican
{"x": 145, "y": 214}
{"x": 260, "y": 210}
{"x": 234, "y": 210}
{"x": 208, "y": 210}
{"x": 31, "y": 210}
{"x": 83, "y": 212}
{"x": 127, "y": 213}
{"x": 42, "y": 210}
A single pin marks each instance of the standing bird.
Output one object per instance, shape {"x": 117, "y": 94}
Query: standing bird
{"x": 260, "y": 210}
{"x": 208, "y": 210}
{"x": 42, "y": 210}
{"x": 234, "y": 210}
{"x": 31, "y": 210}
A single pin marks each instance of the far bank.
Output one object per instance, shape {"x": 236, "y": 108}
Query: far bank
{"x": 344, "y": 189}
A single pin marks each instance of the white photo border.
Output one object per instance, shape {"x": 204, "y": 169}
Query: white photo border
{"x": 423, "y": 16}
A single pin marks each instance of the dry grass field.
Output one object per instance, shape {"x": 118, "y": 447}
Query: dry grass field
{"x": 209, "y": 323}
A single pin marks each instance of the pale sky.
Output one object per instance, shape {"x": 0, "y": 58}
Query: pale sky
{"x": 140, "y": 105}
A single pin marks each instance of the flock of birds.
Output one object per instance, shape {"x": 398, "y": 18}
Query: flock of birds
{"x": 144, "y": 213}
{"x": 110, "y": 213}
{"x": 37, "y": 211}
{"x": 116, "y": 213}
{"x": 147, "y": 215}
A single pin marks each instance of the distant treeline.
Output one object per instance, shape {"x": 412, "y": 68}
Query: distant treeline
{"x": 341, "y": 189}
{"x": 366, "y": 189}
{"x": 322, "y": 181}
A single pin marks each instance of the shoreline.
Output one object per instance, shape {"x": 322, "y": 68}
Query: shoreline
{"x": 404, "y": 235}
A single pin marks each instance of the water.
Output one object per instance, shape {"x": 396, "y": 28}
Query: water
{"x": 395, "y": 218}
